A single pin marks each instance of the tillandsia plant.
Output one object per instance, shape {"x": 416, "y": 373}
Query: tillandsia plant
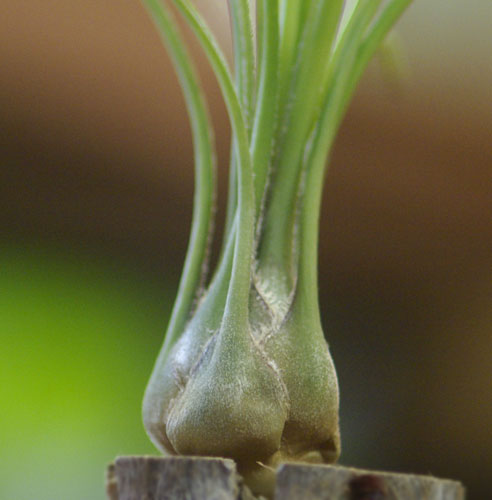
{"x": 245, "y": 371}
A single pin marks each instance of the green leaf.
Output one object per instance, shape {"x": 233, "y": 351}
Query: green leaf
{"x": 237, "y": 301}
{"x": 205, "y": 175}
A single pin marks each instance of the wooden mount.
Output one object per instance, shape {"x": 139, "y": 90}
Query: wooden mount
{"x": 197, "y": 478}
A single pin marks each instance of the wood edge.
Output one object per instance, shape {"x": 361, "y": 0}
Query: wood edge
{"x": 355, "y": 478}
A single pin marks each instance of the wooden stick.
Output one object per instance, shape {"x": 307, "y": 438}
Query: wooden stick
{"x": 173, "y": 478}
{"x": 196, "y": 478}
{"x": 319, "y": 482}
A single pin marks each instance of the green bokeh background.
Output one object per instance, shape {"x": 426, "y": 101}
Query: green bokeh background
{"x": 78, "y": 335}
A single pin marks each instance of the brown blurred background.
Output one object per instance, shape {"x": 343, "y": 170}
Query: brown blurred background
{"x": 96, "y": 158}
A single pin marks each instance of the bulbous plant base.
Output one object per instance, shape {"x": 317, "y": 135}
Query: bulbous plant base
{"x": 202, "y": 478}
{"x": 259, "y": 396}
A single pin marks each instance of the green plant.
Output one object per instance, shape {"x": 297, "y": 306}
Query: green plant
{"x": 245, "y": 371}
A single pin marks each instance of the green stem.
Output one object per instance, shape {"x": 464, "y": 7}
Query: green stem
{"x": 196, "y": 256}
{"x": 238, "y": 294}
{"x": 347, "y": 65}
{"x": 292, "y": 14}
{"x": 378, "y": 31}
{"x": 259, "y": 32}
{"x": 266, "y": 106}
{"x": 371, "y": 41}
{"x": 244, "y": 55}
{"x": 314, "y": 48}
{"x": 231, "y": 196}
{"x": 349, "y": 39}
{"x": 244, "y": 65}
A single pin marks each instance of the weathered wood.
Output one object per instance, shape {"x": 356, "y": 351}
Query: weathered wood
{"x": 323, "y": 482}
{"x": 194, "y": 478}
{"x": 174, "y": 478}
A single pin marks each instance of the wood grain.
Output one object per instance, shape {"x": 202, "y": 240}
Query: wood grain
{"x": 196, "y": 478}
{"x": 343, "y": 483}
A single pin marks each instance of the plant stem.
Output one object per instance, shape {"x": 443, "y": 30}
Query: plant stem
{"x": 205, "y": 172}
{"x": 244, "y": 56}
{"x": 244, "y": 69}
{"x": 292, "y": 14}
{"x": 238, "y": 294}
{"x": 387, "y": 19}
{"x": 354, "y": 50}
{"x": 314, "y": 48}
{"x": 266, "y": 106}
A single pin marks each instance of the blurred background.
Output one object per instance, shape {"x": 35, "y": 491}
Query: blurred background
{"x": 96, "y": 186}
